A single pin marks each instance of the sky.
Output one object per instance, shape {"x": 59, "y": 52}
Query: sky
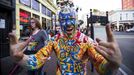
{"x": 102, "y": 5}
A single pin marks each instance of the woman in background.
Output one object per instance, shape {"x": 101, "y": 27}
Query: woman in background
{"x": 37, "y": 40}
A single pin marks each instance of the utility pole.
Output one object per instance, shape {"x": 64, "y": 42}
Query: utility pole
{"x": 107, "y": 17}
{"x": 92, "y": 27}
{"x": 87, "y": 30}
{"x": 92, "y": 34}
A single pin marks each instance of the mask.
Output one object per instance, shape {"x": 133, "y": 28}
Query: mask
{"x": 67, "y": 18}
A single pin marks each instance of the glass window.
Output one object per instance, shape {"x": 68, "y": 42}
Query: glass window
{"x": 26, "y": 2}
{"x": 48, "y": 22}
{"x": 36, "y": 16}
{"x": 44, "y": 23}
{"x": 48, "y": 12}
{"x": 120, "y": 16}
{"x": 126, "y": 15}
{"x": 24, "y": 23}
{"x": 43, "y": 9}
{"x": 35, "y": 5}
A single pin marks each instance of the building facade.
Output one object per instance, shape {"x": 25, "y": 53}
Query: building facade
{"x": 44, "y": 10}
{"x": 7, "y": 19}
{"x": 122, "y": 19}
{"x": 127, "y": 4}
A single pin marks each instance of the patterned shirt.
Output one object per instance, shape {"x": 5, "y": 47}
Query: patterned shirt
{"x": 71, "y": 53}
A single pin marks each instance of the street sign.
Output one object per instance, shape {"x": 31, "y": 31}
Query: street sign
{"x": 98, "y": 19}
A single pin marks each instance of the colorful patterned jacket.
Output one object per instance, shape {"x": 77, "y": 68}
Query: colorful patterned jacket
{"x": 71, "y": 54}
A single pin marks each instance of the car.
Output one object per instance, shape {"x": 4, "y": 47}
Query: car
{"x": 130, "y": 30}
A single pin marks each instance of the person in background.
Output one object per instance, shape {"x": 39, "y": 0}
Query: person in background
{"x": 72, "y": 48}
{"x": 38, "y": 37}
{"x": 36, "y": 41}
{"x": 56, "y": 30}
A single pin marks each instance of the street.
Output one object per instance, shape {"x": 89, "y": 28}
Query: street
{"x": 126, "y": 44}
{"x": 35, "y": 21}
{"x": 125, "y": 41}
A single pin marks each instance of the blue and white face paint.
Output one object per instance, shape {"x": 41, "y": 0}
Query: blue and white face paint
{"x": 67, "y": 20}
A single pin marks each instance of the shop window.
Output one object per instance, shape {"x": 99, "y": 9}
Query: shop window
{"x": 35, "y": 5}
{"x": 26, "y": 2}
{"x": 36, "y": 16}
{"x": 44, "y": 23}
{"x": 48, "y": 23}
{"x": 24, "y": 23}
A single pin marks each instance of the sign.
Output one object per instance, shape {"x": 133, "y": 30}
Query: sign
{"x": 24, "y": 16}
{"x": 99, "y": 19}
{"x": 2, "y": 23}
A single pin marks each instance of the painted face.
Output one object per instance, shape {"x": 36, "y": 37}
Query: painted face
{"x": 68, "y": 23}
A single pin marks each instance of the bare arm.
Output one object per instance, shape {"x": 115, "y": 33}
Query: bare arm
{"x": 97, "y": 59}
{"x": 108, "y": 57}
{"x": 110, "y": 51}
{"x": 17, "y": 48}
{"x": 29, "y": 61}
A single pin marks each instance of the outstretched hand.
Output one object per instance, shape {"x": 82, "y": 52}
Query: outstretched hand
{"x": 110, "y": 49}
{"x": 16, "y": 48}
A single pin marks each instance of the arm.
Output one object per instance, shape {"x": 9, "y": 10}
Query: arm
{"x": 108, "y": 50}
{"x": 36, "y": 61}
{"x": 17, "y": 48}
{"x": 98, "y": 60}
{"x": 30, "y": 61}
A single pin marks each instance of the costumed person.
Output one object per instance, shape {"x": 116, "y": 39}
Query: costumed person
{"x": 72, "y": 48}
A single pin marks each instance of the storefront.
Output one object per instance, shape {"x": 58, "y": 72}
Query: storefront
{"x": 7, "y": 21}
{"x": 24, "y": 23}
{"x": 25, "y": 9}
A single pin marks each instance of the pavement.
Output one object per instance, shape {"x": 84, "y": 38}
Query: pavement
{"x": 125, "y": 41}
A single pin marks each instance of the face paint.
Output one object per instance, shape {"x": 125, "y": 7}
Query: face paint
{"x": 67, "y": 21}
